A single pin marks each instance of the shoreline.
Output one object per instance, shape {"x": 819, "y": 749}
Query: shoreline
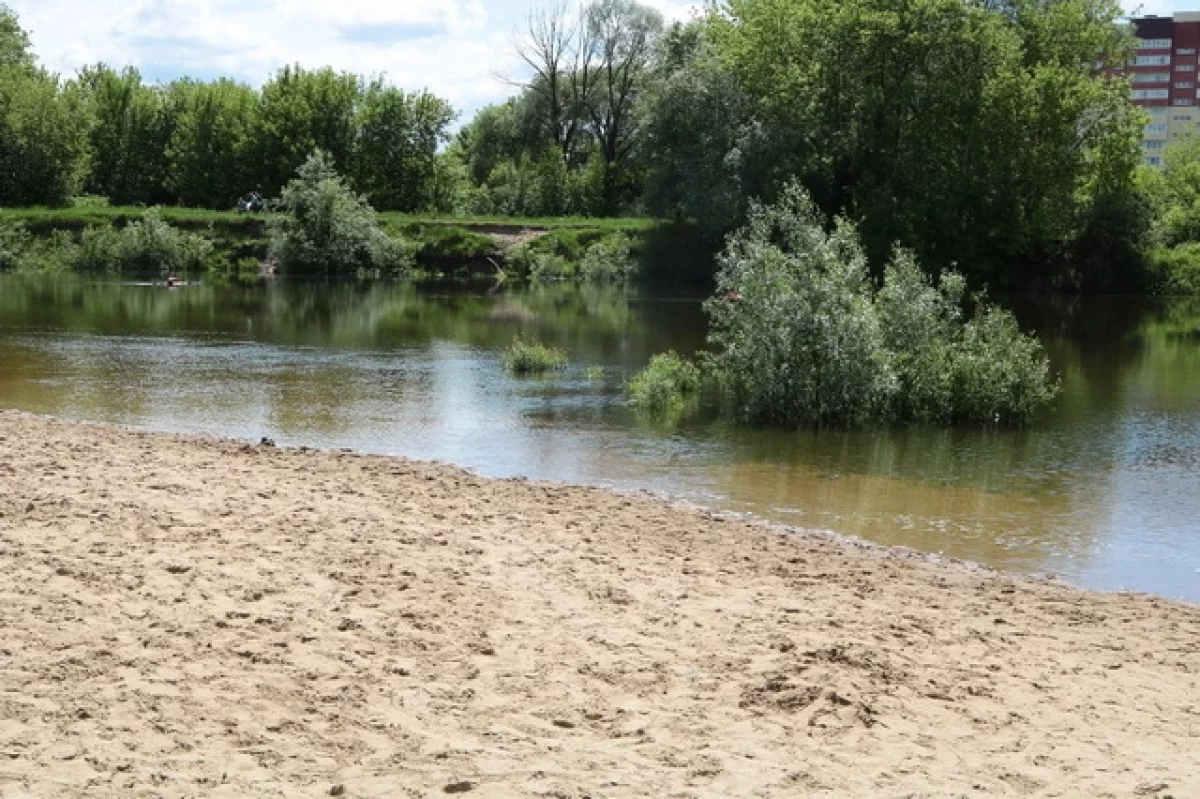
{"x": 188, "y": 614}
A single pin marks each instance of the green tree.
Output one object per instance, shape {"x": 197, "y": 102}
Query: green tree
{"x": 302, "y": 111}
{"x": 43, "y": 146}
{"x": 211, "y": 145}
{"x": 42, "y": 122}
{"x": 975, "y": 133}
{"x": 15, "y": 49}
{"x": 395, "y": 157}
{"x": 131, "y": 128}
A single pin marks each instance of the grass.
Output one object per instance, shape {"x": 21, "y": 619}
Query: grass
{"x": 526, "y": 357}
{"x": 445, "y": 242}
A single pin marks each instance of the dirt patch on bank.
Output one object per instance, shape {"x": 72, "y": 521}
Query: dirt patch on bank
{"x": 183, "y": 616}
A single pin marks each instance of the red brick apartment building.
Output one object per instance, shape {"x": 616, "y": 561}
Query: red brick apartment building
{"x": 1165, "y": 83}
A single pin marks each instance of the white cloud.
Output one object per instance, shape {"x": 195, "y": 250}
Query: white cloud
{"x": 455, "y": 48}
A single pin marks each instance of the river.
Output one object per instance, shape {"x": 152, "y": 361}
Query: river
{"x": 1103, "y": 491}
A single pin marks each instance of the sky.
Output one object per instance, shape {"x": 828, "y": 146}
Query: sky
{"x": 461, "y": 50}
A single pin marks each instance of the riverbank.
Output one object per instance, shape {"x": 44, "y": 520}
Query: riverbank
{"x": 444, "y": 246}
{"x": 192, "y": 616}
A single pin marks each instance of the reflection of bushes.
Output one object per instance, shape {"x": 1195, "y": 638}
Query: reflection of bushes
{"x": 526, "y": 357}
{"x": 667, "y": 383}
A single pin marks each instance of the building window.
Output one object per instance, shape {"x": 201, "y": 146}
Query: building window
{"x": 1153, "y": 44}
{"x": 1184, "y": 101}
{"x": 1151, "y": 60}
{"x": 1182, "y": 118}
{"x": 1185, "y": 67}
{"x": 1153, "y": 144}
{"x": 1185, "y": 84}
{"x": 1150, "y": 94}
{"x": 1156, "y": 127}
{"x": 1153, "y": 160}
{"x": 1186, "y": 51}
{"x": 1151, "y": 77}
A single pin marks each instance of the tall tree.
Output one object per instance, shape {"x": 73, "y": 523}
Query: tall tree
{"x": 624, "y": 37}
{"x": 561, "y": 56}
{"x": 973, "y": 135}
{"x": 302, "y": 111}
{"x": 395, "y": 157}
{"x": 211, "y": 145}
{"x": 131, "y": 127}
{"x": 15, "y": 49}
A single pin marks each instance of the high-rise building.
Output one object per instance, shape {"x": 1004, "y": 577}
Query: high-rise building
{"x": 1163, "y": 73}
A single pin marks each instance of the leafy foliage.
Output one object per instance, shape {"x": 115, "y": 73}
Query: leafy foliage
{"x": 804, "y": 338}
{"x": 43, "y": 148}
{"x": 14, "y": 240}
{"x": 525, "y": 357}
{"x": 329, "y": 230}
{"x": 666, "y": 383}
{"x": 149, "y": 246}
{"x": 609, "y": 260}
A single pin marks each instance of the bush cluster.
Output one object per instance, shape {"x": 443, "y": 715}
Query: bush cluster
{"x": 146, "y": 247}
{"x": 329, "y": 230}
{"x": 525, "y": 357}
{"x": 608, "y": 260}
{"x": 805, "y": 338}
{"x": 666, "y": 384}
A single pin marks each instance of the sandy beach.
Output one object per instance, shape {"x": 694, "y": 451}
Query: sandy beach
{"x": 196, "y": 617}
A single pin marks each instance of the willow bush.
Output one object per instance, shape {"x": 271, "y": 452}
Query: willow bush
{"x": 804, "y": 337}
{"x": 329, "y": 230}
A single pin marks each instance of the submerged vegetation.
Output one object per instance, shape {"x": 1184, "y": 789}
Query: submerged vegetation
{"x": 527, "y": 357}
{"x": 666, "y": 384}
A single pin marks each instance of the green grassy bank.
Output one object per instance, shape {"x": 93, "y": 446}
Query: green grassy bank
{"x": 665, "y": 252}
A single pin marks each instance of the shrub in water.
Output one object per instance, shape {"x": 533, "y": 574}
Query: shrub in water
{"x": 608, "y": 260}
{"x": 666, "y": 383}
{"x": 329, "y": 230}
{"x": 533, "y": 358}
{"x": 799, "y": 340}
{"x": 804, "y": 338}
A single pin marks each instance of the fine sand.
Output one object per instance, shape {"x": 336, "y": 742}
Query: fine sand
{"x": 194, "y": 617}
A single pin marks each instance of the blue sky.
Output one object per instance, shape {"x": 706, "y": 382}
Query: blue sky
{"x": 460, "y": 49}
